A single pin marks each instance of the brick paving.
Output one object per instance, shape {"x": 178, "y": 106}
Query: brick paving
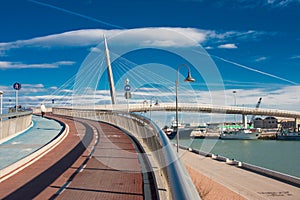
{"x": 248, "y": 185}
{"x": 113, "y": 172}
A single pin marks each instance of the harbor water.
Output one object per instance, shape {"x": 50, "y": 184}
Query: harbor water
{"x": 280, "y": 156}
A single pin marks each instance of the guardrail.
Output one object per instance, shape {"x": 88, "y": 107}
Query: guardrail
{"x": 209, "y": 108}
{"x": 179, "y": 183}
{"x": 196, "y": 107}
{"x": 14, "y": 123}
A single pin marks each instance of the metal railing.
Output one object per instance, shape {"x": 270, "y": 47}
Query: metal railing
{"x": 209, "y": 108}
{"x": 14, "y": 115}
{"x": 196, "y": 107}
{"x": 179, "y": 183}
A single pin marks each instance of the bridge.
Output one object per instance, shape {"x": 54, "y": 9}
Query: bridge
{"x": 193, "y": 107}
{"x": 101, "y": 144}
{"x": 123, "y": 143}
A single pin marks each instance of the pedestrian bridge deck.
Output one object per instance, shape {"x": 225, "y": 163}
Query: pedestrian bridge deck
{"x": 70, "y": 170}
{"x": 193, "y": 107}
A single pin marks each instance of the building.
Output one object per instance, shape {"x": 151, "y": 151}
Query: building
{"x": 267, "y": 123}
{"x": 290, "y": 125}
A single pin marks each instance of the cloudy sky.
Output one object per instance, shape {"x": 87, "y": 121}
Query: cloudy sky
{"x": 251, "y": 47}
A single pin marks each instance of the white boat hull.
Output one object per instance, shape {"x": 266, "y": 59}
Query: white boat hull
{"x": 240, "y": 135}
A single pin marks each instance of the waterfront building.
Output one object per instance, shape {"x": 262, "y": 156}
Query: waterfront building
{"x": 267, "y": 123}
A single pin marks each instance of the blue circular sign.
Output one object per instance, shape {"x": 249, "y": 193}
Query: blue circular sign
{"x": 17, "y": 86}
{"x": 127, "y": 88}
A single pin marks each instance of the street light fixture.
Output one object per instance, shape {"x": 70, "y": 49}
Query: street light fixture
{"x": 234, "y": 93}
{"x": 1, "y": 93}
{"x": 188, "y": 79}
{"x": 156, "y": 103}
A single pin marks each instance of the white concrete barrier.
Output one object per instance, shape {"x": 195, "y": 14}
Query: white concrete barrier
{"x": 14, "y": 123}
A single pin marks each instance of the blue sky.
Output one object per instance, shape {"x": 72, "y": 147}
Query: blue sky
{"x": 254, "y": 44}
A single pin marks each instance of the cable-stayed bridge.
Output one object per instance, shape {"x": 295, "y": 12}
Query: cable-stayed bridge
{"x": 194, "y": 107}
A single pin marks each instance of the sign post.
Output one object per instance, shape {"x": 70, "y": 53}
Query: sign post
{"x": 17, "y": 87}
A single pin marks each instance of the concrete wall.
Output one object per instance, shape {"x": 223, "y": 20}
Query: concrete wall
{"x": 38, "y": 110}
{"x": 11, "y": 126}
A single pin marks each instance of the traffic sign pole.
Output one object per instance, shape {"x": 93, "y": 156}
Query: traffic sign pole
{"x": 17, "y": 87}
{"x": 17, "y": 100}
{"x": 127, "y": 94}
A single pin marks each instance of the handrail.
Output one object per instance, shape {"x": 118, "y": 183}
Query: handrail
{"x": 15, "y": 114}
{"x": 196, "y": 107}
{"x": 178, "y": 181}
{"x": 14, "y": 123}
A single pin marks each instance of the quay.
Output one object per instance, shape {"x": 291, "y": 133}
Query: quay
{"x": 246, "y": 184}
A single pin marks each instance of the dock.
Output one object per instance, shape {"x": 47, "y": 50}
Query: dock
{"x": 245, "y": 183}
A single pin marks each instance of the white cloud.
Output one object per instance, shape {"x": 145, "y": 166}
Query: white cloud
{"x": 90, "y": 37}
{"x": 280, "y": 3}
{"x": 208, "y": 47}
{"x": 95, "y": 49}
{"x": 53, "y": 88}
{"x": 249, "y": 3}
{"x": 155, "y": 36}
{"x": 18, "y": 65}
{"x": 295, "y": 57}
{"x": 227, "y": 46}
{"x": 261, "y": 59}
{"x": 284, "y": 97}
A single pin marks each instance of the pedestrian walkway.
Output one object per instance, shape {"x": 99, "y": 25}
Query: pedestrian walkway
{"x": 245, "y": 183}
{"x": 73, "y": 170}
{"x": 42, "y": 132}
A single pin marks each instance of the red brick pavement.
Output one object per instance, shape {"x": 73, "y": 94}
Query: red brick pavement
{"x": 113, "y": 172}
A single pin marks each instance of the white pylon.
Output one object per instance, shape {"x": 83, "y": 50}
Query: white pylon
{"x": 110, "y": 74}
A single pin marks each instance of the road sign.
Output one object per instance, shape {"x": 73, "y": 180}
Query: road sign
{"x": 127, "y": 88}
{"x": 17, "y": 86}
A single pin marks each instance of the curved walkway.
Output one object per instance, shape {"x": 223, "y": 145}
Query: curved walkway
{"x": 82, "y": 167}
{"x": 42, "y": 131}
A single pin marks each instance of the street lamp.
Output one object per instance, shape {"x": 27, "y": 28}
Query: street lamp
{"x": 234, "y": 93}
{"x": 156, "y": 103}
{"x": 1, "y": 93}
{"x": 188, "y": 79}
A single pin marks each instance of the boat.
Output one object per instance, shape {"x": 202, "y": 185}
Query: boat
{"x": 186, "y": 131}
{"x": 168, "y": 130}
{"x": 241, "y": 134}
{"x": 288, "y": 135}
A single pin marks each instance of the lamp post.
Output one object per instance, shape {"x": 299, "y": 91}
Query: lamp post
{"x": 188, "y": 79}
{"x": 234, "y": 93}
{"x": 156, "y": 103}
{"x": 1, "y": 93}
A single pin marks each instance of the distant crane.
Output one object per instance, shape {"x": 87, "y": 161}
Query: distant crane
{"x": 257, "y": 106}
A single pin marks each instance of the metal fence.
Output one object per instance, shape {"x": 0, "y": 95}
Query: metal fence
{"x": 179, "y": 183}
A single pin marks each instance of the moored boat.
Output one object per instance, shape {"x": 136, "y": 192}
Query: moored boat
{"x": 287, "y": 135}
{"x": 184, "y": 133}
{"x": 241, "y": 134}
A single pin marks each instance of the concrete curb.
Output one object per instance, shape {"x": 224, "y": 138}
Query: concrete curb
{"x": 25, "y": 162}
